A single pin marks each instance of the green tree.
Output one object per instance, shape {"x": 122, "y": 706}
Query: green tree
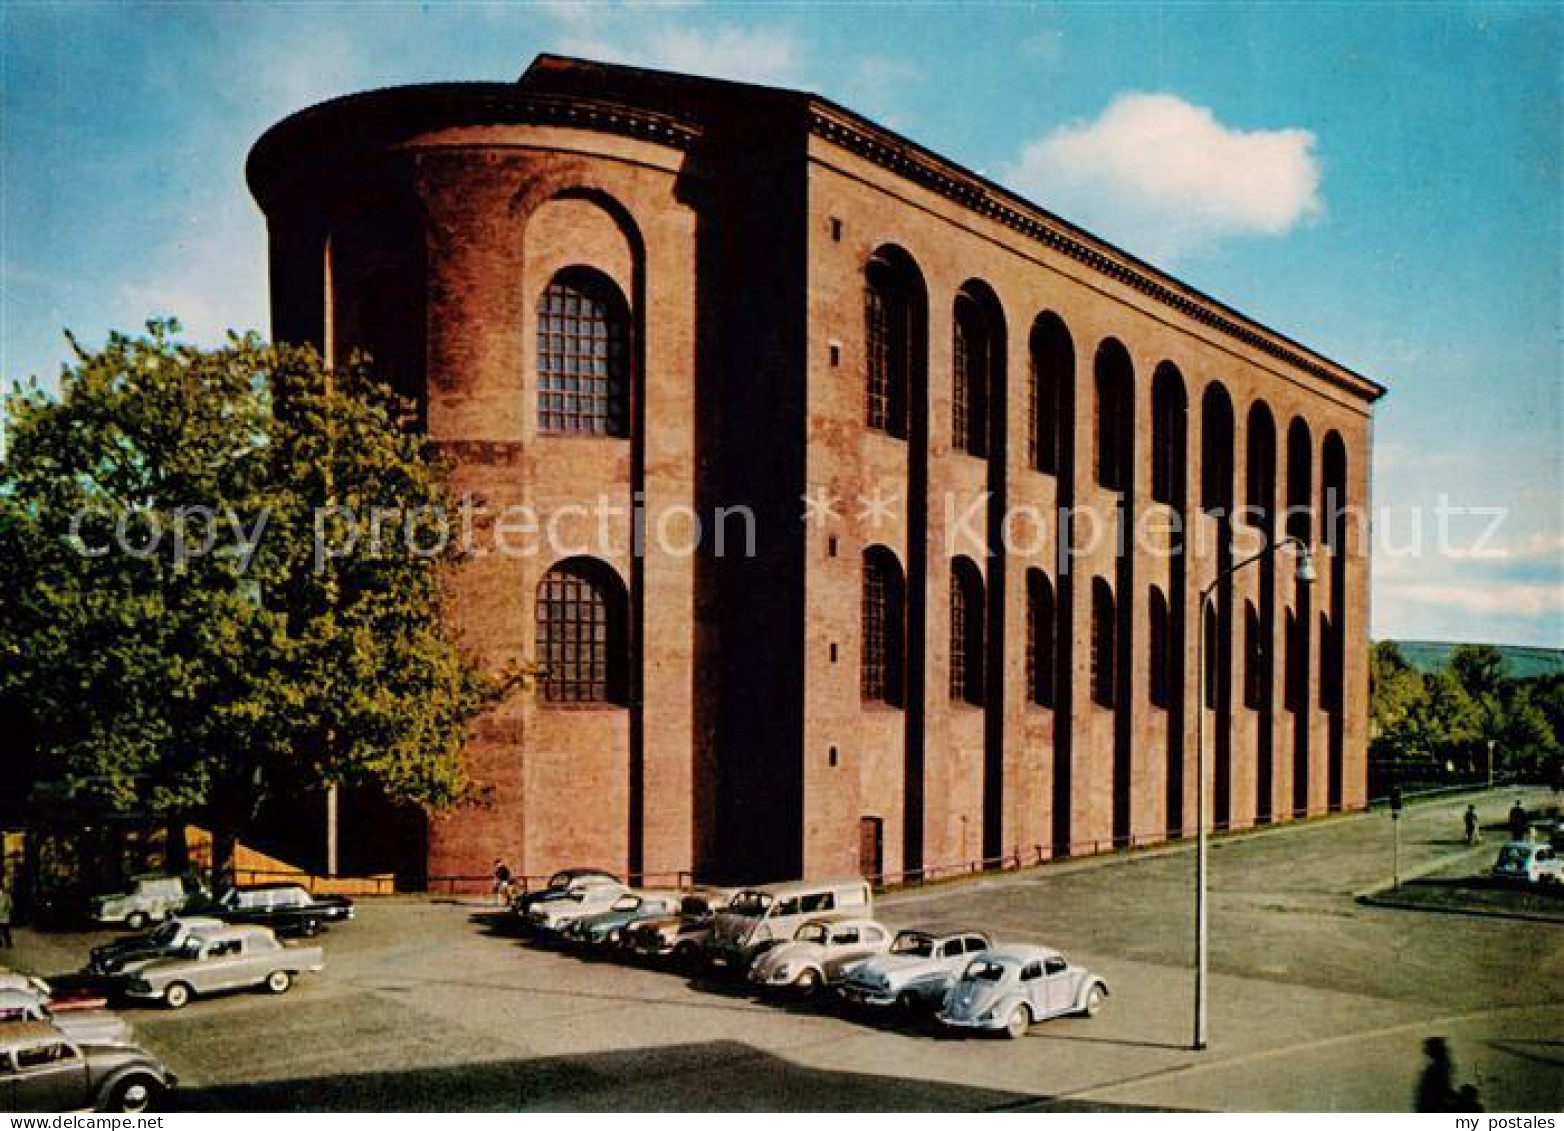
{"x": 182, "y": 627}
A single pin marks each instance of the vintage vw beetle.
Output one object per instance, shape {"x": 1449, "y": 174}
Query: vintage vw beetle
{"x": 1007, "y": 989}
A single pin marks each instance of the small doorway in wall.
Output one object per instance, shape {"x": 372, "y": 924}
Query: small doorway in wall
{"x": 871, "y": 847}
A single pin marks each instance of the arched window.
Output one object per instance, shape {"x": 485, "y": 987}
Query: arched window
{"x": 966, "y": 632}
{"x": 1160, "y": 677}
{"x": 1213, "y": 685}
{"x": 978, "y": 361}
{"x": 1295, "y": 674}
{"x": 1104, "y": 644}
{"x": 1300, "y": 479}
{"x": 583, "y": 356}
{"x": 1115, "y": 415}
{"x": 1330, "y": 665}
{"x": 581, "y": 641}
{"x": 883, "y": 662}
{"x": 890, "y": 325}
{"x": 1040, "y": 641}
{"x": 1260, "y": 468}
{"x": 1169, "y": 435}
{"x": 1053, "y": 371}
{"x": 1256, "y": 681}
{"x": 1216, "y": 450}
{"x": 1333, "y": 486}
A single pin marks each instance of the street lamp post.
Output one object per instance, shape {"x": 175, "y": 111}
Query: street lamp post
{"x": 1305, "y": 574}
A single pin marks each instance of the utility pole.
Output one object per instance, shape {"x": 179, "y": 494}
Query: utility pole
{"x": 1395, "y": 824}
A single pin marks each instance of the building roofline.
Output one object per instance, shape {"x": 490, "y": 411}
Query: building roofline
{"x": 613, "y": 98}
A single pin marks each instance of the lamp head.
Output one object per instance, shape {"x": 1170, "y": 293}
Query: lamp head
{"x": 1306, "y": 572}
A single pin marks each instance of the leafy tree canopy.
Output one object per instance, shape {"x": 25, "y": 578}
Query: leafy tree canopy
{"x": 182, "y": 629}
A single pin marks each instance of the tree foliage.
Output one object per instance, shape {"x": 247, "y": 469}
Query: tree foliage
{"x": 177, "y": 683}
{"x": 1445, "y": 720}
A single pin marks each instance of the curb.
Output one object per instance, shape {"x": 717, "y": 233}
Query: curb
{"x": 1376, "y": 900}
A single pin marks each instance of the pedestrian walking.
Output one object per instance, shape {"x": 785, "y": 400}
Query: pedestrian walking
{"x": 1470, "y": 821}
{"x": 5, "y": 919}
{"x": 502, "y": 880}
{"x": 1520, "y": 825}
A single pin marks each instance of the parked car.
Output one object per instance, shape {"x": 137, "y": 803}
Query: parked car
{"x": 288, "y": 909}
{"x": 16, "y": 980}
{"x": 88, "y": 1026}
{"x": 683, "y": 936}
{"x": 150, "y": 899}
{"x": 607, "y": 928}
{"x": 1529, "y": 863}
{"x": 551, "y": 917}
{"x": 236, "y": 958}
{"x": 818, "y": 953}
{"x": 1007, "y": 989}
{"x": 762, "y": 917}
{"x": 42, "y": 1069}
{"x": 916, "y": 972}
{"x": 561, "y": 885}
{"x": 67, "y": 995}
{"x": 168, "y": 938}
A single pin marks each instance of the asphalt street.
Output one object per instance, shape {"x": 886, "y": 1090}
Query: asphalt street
{"x": 1318, "y": 1002}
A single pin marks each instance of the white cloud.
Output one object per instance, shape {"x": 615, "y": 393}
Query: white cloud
{"x": 1511, "y": 599}
{"x": 1165, "y": 178}
{"x": 745, "y": 54}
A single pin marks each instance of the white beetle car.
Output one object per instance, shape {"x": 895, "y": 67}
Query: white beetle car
{"x": 1009, "y": 988}
{"x": 1530, "y": 863}
{"x": 818, "y": 953}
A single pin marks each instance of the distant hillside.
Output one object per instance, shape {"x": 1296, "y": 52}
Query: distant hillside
{"x": 1519, "y": 662}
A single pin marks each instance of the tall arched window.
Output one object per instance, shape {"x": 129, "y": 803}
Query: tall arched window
{"x": 1104, "y": 644}
{"x": 1115, "y": 415}
{"x": 1040, "y": 638}
{"x": 1330, "y": 657}
{"x": 966, "y": 632}
{"x": 1169, "y": 435}
{"x": 581, "y": 639}
{"x": 1300, "y": 479}
{"x": 1216, "y": 450}
{"x": 883, "y": 662}
{"x": 977, "y": 361}
{"x": 583, "y": 355}
{"x": 1295, "y": 671}
{"x": 890, "y": 321}
{"x": 1256, "y": 681}
{"x": 1260, "y": 467}
{"x": 1212, "y": 689}
{"x": 1160, "y": 676}
{"x": 1053, "y": 370}
{"x": 1333, "y": 489}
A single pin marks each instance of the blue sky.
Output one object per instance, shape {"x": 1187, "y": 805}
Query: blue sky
{"x": 1380, "y": 181}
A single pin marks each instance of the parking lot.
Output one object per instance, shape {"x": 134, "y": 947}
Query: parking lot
{"x": 1318, "y": 1002}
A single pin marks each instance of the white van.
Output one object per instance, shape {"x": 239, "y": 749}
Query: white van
{"x": 762, "y": 917}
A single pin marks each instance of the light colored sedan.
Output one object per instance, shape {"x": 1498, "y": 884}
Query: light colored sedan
{"x": 1007, "y": 989}
{"x": 84, "y": 1026}
{"x": 916, "y": 973}
{"x": 238, "y": 958}
{"x": 553, "y": 916}
{"x": 818, "y": 953}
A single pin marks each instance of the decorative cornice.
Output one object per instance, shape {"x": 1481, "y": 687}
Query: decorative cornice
{"x": 917, "y": 165}
{"x": 379, "y": 118}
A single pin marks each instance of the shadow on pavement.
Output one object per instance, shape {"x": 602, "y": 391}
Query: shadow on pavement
{"x": 690, "y": 1077}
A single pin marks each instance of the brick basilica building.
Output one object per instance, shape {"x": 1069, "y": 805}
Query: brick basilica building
{"x": 1025, "y": 452}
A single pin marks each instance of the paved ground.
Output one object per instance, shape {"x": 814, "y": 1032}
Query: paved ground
{"x": 1318, "y": 1003}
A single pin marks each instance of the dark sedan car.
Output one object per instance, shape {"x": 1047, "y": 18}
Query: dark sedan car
{"x": 288, "y": 909}
{"x": 167, "y": 939}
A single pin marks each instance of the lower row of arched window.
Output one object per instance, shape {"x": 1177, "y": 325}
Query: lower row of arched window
{"x": 582, "y": 640}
